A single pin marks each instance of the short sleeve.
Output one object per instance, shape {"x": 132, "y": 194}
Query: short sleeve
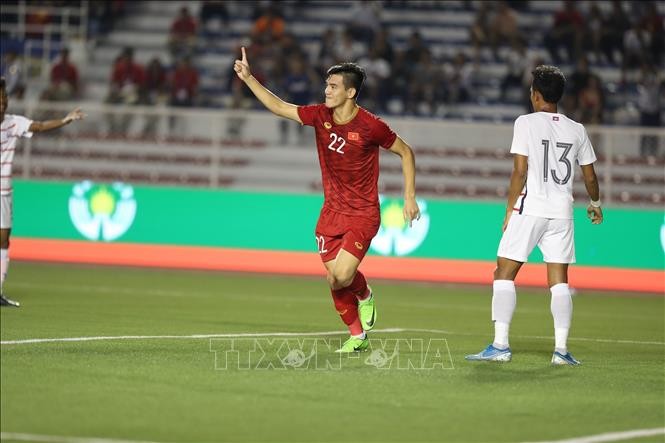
{"x": 382, "y": 134}
{"x": 586, "y": 155}
{"x": 23, "y": 127}
{"x": 308, "y": 114}
{"x": 520, "y": 144}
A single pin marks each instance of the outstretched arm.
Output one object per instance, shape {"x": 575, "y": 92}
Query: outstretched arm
{"x": 517, "y": 180}
{"x": 411, "y": 210}
{"x": 48, "y": 125}
{"x": 274, "y": 104}
{"x": 593, "y": 211}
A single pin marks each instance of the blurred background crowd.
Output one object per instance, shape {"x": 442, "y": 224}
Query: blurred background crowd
{"x": 441, "y": 59}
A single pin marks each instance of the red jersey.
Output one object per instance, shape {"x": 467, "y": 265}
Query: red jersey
{"x": 349, "y": 158}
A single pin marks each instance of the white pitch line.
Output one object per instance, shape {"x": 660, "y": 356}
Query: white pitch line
{"x": 294, "y": 334}
{"x": 61, "y": 439}
{"x": 612, "y": 436}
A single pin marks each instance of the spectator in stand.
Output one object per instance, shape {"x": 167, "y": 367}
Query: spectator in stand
{"x": 127, "y": 81}
{"x": 590, "y": 103}
{"x": 459, "y": 75}
{"x": 614, "y": 27}
{"x": 425, "y": 92}
{"x": 504, "y": 28}
{"x": 184, "y": 90}
{"x": 155, "y": 92}
{"x": 480, "y": 29}
{"x": 349, "y": 49}
{"x": 594, "y": 32}
{"x": 213, "y": 16}
{"x": 182, "y": 38}
{"x": 382, "y": 46}
{"x": 378, "y": 75}
{"x": 415, "y": 48}
{"x": 636, "y": 42}
{"x": 269, "y": 26}
{"x": 650, "y": 102}
{"x": 64, "y": 83}
{"x": 364, "y": 20}
{"x": 567, "y": 33}
{"x": 299, "y": 84}
{"x": 36, "y": 21}
{"x": 327, "y": 56}
{"x": 652, "y": 22}
{"x": 517, "y": 61}
{"x": 576, "y": 83}
{"x": 12, "y": 71}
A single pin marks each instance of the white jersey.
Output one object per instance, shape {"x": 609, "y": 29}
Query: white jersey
{"x": 554, "y": 144}
{"x": 12, "y": 127}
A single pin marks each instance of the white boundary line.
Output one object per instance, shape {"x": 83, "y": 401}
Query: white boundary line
{"x": 296, "y": 334}
{"x": 612, "y": 436}
{"x": 61, "y": 439}
{"x": 598, "y": 438}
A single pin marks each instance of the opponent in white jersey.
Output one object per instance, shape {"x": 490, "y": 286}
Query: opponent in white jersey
{"x": 13, "y": 127}
{"x": 546, "y": 146}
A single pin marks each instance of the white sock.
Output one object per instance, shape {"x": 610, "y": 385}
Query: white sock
{"x": 361, "y": 336}
{"x": 562, "y": 312}
{"x": 504, "y": 300}
{"x": 4, "y": 266}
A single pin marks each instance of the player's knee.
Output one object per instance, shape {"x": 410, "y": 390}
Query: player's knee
{"x": 343, "y": 277}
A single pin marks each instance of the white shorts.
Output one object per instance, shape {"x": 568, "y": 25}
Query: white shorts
{"x": 5, "y": 211}
{"x": 553, "y": 236}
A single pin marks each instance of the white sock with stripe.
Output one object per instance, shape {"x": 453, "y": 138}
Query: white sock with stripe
{"x": 562, "y": 312}
{"x": 4, "y": 266}
{"x": 504, "y": 300}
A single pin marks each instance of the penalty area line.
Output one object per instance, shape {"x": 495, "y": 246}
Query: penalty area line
{"x": 40, "y": 438}
{"x": 612, "y": 436}
{"x": 296, "y": 334}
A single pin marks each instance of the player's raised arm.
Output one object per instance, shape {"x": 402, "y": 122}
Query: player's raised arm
{"x": 48, "y": 125}
{"x": 274, "y": 104}
{"x": 411, "y": 210}
{"x": 594, "y": 212}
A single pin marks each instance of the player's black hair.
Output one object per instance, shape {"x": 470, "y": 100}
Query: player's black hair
{"x": 2, "y": 85}
{"x": 353, "y": 75}
{"x": 549, "y": 81}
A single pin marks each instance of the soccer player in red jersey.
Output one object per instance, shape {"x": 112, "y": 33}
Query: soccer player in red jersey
{"x": 347, "y": 139}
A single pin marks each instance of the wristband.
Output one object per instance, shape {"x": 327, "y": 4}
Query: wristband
{"x": 595, "y": 204}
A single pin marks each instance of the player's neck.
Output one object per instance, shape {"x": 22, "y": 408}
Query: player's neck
{"x": 345, "y": 113}
{"x": 548, "y": 107}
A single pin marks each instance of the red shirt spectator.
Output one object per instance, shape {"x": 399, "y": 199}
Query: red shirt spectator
{"x": 184, "y": 25}
{"x": 184, "y": 84}
{"x": 65, "y": 72}
{"x": 125, "y": 71}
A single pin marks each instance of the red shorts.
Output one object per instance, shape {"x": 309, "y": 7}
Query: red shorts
{"x": 335, "y": 231}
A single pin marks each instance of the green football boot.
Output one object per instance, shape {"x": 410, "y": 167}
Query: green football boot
{"x": 367, "y": 312}
{"x": 354, "y": 344}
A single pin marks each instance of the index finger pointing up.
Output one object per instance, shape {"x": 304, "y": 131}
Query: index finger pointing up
{"x": 244, "y": 54}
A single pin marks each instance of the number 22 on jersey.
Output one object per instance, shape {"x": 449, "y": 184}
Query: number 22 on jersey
{"x": 336, "y": 143}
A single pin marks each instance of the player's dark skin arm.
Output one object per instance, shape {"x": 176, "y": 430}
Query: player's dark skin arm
{"x": 49, "y": 125}
{"x": 592, "y": 188}
{"x": 517, "y": 180}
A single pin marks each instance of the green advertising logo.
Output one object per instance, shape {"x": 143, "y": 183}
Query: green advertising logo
{"x": 102, "y": 212}
{"x": 395, "y": 237}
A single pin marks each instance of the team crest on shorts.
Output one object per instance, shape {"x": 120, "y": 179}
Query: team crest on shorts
{"x": 327, "y": 125}
{"x": 359, "y": 245}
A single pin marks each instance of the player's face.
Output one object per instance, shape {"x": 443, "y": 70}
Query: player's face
{"x": 335, "y": 92}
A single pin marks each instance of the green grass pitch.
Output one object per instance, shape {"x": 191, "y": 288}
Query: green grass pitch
{"x": 174, "y": 390}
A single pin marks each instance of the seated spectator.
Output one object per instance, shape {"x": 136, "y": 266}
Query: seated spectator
{"x": 64, "y": 83}
{"x": 479, "y": 31}
{"x": 182, "y": 38}
{"x": 567, "y": 33}
{"x": 653, "y": 23}
{"x": 213, "y": 16}
{"x": 504, "y": 28}
{"x": 298, "y": 86}
{"x": 184, "y": 84}
{"x": 127, "y": 80}
{"x": 364, "y": 20}
{"x": 378, "y": 76}
{"x": 650, "y": 89}
{"x": 459, "y": 75}
{"x": 614, "y": 27}
{"x": 590, "y": 102}
{"x": 517, "y": 62}
{"x": 12, "y": 71}
{"x": 155, "y": 93}
{"x": 269, "y": 26}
